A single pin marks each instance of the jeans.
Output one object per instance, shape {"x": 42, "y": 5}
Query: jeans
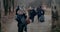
{"x": 22, "y": 27}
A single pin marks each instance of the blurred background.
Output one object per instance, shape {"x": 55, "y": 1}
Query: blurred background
{"x": 7, "y": 14}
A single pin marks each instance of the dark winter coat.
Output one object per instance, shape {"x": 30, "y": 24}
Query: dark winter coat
{"x": 40, "y": 11}
{"x": 21, "y": 19}
{"x": 32, "y": 13}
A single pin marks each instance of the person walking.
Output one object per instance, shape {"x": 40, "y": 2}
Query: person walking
{"x": 21, "y": 19}
{"x": 40, "y": 13}
{"x": 32, "y": 14}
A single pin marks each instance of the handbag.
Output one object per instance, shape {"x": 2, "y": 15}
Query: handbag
{"x": 28, "y": 21}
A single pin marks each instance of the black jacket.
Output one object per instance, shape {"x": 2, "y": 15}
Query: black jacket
{"x": 19, "y": 17}
{"x": 40, "y": 11}
{"x": 32, "y": 13}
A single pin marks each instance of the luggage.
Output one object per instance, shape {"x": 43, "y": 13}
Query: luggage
{"x": 41, "y": 18}
{"x": 28, "y": 21}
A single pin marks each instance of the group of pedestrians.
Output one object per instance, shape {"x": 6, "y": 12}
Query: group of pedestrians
{"x": 39, "y": 12}
{"x": 21, "y": 17}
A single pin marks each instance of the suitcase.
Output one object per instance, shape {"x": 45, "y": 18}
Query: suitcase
{"x": 41, "y": 18}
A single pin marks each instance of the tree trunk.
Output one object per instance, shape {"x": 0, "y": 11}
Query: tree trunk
{"x": 9, "y": 4}
{"x": 13, "y": 5}
{"x": 5, "y": 2}
{"x": 0, "y": 16}
{"x": 0, "y": 10}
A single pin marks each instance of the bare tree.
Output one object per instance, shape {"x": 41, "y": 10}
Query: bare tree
{"x": 5, "y": 2}
{"x": 0, "y": 9}
{"x": 9, "y": 6}
{"x": 13, "y": 4}
{"x": 0, "y": 16}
